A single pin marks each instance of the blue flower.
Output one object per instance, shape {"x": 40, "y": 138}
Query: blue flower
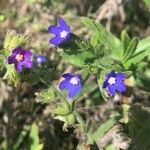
{"x": 62, "y": 32}
{"x": 114, "y": 82}
{"x": 20, "y": 58}
{"x": 40, "y": 59}
{"x": 72, "y": 83}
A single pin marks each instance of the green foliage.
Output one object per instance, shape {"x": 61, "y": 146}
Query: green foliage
{"x": 13, "y": 40}
{"x": 100, "y": 132}
{"x": 20, "y": 138}
{"x": 46, "y": 96}
{"x": 147, "y": 2}
{"x": 62, "y": 109}
{"x": 101, "y": 36}
{"x": 139, "y": 54}
{"x": 77, "y": 53}
{"x": 34, "y": 143}
{"x": 125, "y": 40}
{"x": 131, "y": 48}
{"x": 69, "y": 120}
{"x": 11, "y": 75}
{"x": 2, "y": 18}
{"x": 138, "y": 127}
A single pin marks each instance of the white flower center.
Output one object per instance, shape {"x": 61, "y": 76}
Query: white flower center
{"x": 112, "y": 80}
{"x": 74, "y": 80}
{"x": 39, "y": 59}
{"x": 19, "y": 57}
{"x": 63, "y": 34}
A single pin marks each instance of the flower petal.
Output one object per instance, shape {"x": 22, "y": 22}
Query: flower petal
{"x": 73, "y": 90}
{"x": 63, "y": 25}
{"x": 27, "y": 64}
{"x": 27, "y": 54}
{"x": 11, "y": 59}
{"x": 111, "y": 89}
{"x": 68, "y": 75}
{"x": 63, "y": 84}
{"x": 105, "y": 84}
{"x": 120, "y": 76}
{"x": 18, "y": 67}
{"x": 40, "y": 59}
{"x": 120, "y": 87}
{"x": 55, "y": 30}
{"x": 56, "y": 40}
{"x": 16, "y": 50}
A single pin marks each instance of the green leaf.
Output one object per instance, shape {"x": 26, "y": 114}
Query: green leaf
{"x": 69, "y": 120}
{"x": 107, "y": 61}
{"x": 147, "y": 2}
{"x": 80, "y": 59}
{"x": 100, "y": 132}
{"x": 101, "y": 36}
{"x": 62, "y": 109}
{"x": 143, "y": 44}
{"x": 111, "y": 147}
{"x": 131, "y": 49}
{"x": 125, "y": 40}
{"x": 46, "y": 96}
{"x": 137, "y": 58}
{"x": 77, "y": 52}
{"x": 34, "y": 138}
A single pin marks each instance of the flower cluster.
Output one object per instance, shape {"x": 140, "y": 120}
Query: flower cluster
{"x": 113, "y": 81}
{"x": 21, "y": 58}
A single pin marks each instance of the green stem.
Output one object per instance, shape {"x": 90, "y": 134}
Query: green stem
{"x": 87, "y": 93}
{"x": 79, "y": 118}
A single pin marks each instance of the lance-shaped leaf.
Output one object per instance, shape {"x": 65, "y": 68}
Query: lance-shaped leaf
{"x": 101, "y": 131}
{"x": 34, "y": 142}
{"x": 130, "y": 50}
{"x": 20, "y": 138}
{"x": 143, "y": 44}
{"x": 125, "y": 40}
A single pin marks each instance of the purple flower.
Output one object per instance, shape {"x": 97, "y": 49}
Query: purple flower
{"x": 114, "y": 82}
{"x": 20, "y": 57}
{"x": 71, "y": 83}
{"x": 62, "y": 32}
{"x": 40, "y": 59}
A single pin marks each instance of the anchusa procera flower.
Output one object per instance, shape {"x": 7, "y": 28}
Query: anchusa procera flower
{"x": 114, "y": 82}
{"x": 20, "y": 58}
{"x": 72, "y": 83}
{"x": 61, "y": 31}
{"x": 40, "y": 59}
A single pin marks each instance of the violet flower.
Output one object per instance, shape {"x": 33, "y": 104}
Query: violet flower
{"x": 20, "y": 57}
{"x": 114, "y": 82}
{"x": 62, "y": 32}
{"x": 40, "y": 59}
{"x": 72, "y": 83}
